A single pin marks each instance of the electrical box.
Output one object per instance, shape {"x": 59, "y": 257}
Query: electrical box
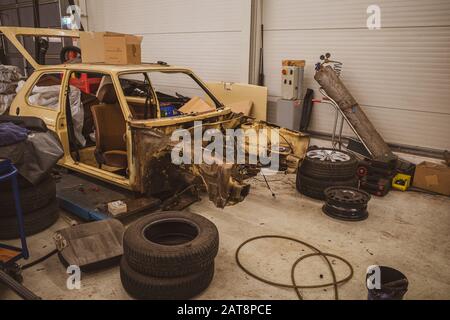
{"x": 292, "y": 75}
{"x": 289, "y": 114}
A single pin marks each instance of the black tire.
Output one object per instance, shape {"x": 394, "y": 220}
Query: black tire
{"x": 315, "y": 188}
{"x": 327, "y": 170}
{"x": 63, "y": 54}
{"x": 34, "y": 222}
{"x": 345, "y": 215}
{"x": 171, "y": 244}
{"x": 144, "y": 287}
{"x": 22, "y": 182}
{"x": 32, "y": 198}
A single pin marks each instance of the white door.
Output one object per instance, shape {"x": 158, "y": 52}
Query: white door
{"x": 400, "y": 74}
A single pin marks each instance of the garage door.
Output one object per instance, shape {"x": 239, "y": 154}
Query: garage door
{"x": 21, "y": 13}
{"x": 399, "y": 74}
{"x": 212, "y": 37}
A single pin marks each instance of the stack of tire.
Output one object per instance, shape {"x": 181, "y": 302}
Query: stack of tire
{"x": 169, "y": 256}
{"x": 323, "y": 168}
{"x": 38, "y": 203}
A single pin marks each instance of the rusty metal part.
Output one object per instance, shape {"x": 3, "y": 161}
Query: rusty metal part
{"x": 330, "y": 82}
{"x": 224, "y": 183}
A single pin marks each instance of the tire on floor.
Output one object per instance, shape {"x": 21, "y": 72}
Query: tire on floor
{"x": 144, "y": 287}
{"x": 34, "y": 222}
{"x": 32, "y": 198}
{"x": 344, "y": 168}
{"x": 171, "y": 244}
{"x": 315, "y": 188}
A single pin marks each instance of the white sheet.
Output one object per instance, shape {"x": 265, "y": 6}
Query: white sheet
{"x": 49, "y": 97}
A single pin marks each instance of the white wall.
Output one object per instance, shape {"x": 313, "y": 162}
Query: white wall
{"x": 212, "y": 37}
{"x": 399, "y": 74}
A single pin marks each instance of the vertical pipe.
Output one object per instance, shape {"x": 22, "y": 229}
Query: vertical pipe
{"x": 20, "y": 221}
{"x": 37, "y": 24}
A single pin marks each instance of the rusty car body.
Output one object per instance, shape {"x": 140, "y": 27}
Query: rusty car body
{"x": 149, "y": 168}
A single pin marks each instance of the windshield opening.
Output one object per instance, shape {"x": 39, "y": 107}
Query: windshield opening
{"x": 165, "y": 94}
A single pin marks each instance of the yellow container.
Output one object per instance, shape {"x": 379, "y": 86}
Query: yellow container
{"x": 401, "y": 182}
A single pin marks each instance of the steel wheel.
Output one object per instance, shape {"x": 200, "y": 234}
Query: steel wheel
{"x": 349, "y": 196}
{"x": 345, "y": 214}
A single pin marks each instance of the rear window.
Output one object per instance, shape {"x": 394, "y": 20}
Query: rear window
{"x": 46, "y": 91}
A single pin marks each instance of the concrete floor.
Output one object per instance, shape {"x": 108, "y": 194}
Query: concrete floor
{"x": 407, "y": 231}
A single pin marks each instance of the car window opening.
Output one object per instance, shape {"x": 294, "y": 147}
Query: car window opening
{"x": 172, "y": 93}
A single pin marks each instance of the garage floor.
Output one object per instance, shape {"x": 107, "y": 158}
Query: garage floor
{"x": 407, "y": 231}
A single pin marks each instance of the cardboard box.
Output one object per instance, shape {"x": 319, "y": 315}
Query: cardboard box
{"x": 244, "y": 107}
{"x": 92, "y": 47}
{"x": 196, "y": 105}
{"x": 110, "y": 48}
{"x": 122, "y": 49}
{"x": 433, "y": 177}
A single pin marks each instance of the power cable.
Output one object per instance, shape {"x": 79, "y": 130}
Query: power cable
{"x": 40, "y": 260}
{"x": 294, "y": 284}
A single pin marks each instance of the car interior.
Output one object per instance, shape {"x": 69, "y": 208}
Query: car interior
{"x": 110, "y": 129}
{"x": 174, "y": 92}
{"x": 104, "y": 125}
{"x": 103, "y": 122}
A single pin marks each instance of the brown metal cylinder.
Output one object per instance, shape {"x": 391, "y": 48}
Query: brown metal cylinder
{"x": 335, "y": 88}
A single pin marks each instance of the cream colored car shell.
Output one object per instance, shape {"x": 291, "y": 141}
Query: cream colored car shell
{"x": 56, "y": 119}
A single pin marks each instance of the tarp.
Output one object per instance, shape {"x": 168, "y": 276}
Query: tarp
{"x": 36, "y": 156}
{"x": 9, "y": 73}
{"x": 5, "y": 102}
{"x": 12, "y": 134}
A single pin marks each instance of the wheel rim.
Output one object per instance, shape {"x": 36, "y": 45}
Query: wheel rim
{"x": 347, "y": 195}
{"x": 345, "y": 214}
{"x": 329, "y": 155}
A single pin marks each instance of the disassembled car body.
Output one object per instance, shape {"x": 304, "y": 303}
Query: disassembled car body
{"x": 135, "y": 111}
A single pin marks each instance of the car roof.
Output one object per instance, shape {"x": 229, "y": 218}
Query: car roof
{"x": 109, "y": 68}
{"x": 12, "y": 33}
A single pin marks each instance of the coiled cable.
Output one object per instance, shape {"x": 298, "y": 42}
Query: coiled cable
{"x": 294, "y": 285}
